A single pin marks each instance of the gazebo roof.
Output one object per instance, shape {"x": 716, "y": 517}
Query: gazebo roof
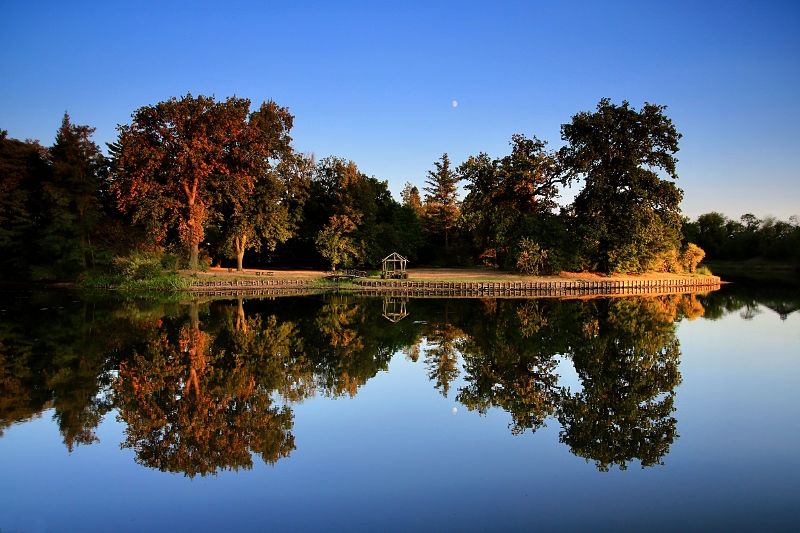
{"x": 394, "y": 256}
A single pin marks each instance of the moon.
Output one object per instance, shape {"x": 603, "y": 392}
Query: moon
{"x": 455, "y": 410}
{"x": 455, "y": 103}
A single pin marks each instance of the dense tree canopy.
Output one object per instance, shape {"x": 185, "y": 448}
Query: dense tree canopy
{"x": 175, "y": 157}
{"x": 257, "y": 211}
{"x": 51, "y": 204}
{"x": 625, "y": 214}
{"x": 746, "y": 238}
{"x": 217, "y": 179}
{"x": 511, "y": 198}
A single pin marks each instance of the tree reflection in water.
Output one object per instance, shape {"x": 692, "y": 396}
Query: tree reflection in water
{"x": 191, "y": 407}
{"x": 627, "y": 362}
{"x": 202, "y": 387}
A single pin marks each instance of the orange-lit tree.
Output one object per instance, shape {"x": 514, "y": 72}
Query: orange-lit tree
{"x": 175, "y": 155}
{"x": 190, "y": 407}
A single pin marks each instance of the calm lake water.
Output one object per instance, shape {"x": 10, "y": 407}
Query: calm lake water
{"x": 352, "y": 413}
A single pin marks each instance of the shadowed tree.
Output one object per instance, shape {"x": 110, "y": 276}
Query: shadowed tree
{"x": 72, "y": 198}
{"x": 441, "y": 356}
{"x": 509, "y": 198}
{"x": 510, "y": 361}
{"x": 23, "y": 169}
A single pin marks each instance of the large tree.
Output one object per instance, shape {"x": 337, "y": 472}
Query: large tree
{"x": 23, "y": 167}
{"x": 509, "y": 197}
{"x": 626, "y": 214}
{"x": 173, "y": 157}
{"x": 441, "y": 198}
{"x": 257, "y": 211}
{"x": 72, "y": 198}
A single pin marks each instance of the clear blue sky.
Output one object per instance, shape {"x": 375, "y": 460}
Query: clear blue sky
{"x": 374, "y": 82}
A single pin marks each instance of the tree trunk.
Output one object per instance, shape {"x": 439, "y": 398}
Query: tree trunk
{"x": 241, "y": 321}
{"x": 241, "y": 244}
{"x": 195, "y": 230}
{"x": 196, "y": 355}
{"x": 194, "y": 252}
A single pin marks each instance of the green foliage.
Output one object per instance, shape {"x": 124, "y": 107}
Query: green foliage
{"x": 625, "y": 215}
{"x": 334, "y": 244}
{"x": 51, "y": 210}
{"x": 703, "y": 270}
{"x": 257, "y": 211}
{"x": 167, "y": 282}
{"x": 381, "y": 225}
{"x": 138, "y": 266}
{"x": 181, "y": 159}
{"x": 531, "y": 257}
{"x": 204, "y": 261}
{"x": 170, "y": 262}
{"x": 140, "y": 271}
{"x": 512, "y": 198}
{"x": 628, "y": 366}
{"x": 203, "y": 173}
{"x": 667, "y": 261}
{"x": 747, "y": 238}
{"x": 23, "y": 165}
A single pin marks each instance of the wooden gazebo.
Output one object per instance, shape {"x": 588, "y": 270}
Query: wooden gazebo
{"x": 394, "y": 266}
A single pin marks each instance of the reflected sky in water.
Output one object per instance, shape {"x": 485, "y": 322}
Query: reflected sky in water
{"x": 318, "y": 413}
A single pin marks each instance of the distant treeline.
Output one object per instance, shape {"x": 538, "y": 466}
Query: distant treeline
{"x": 747, "y": 238}
{"x": 192, "y": 182}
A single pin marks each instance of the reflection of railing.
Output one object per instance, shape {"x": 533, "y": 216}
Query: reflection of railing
{"x": 540, "y": 288}
{"x": 394, "y": 309}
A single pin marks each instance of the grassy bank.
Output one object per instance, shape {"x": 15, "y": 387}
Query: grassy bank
{"x": 163, "y": 282}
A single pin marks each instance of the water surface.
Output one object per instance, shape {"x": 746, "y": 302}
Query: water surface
{"x": 344, "y": 412}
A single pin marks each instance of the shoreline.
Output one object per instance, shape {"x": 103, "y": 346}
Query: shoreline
{"x": 557, "y": 286}
{"x": 422, "y": 282}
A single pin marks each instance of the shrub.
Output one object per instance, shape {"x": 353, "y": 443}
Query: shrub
{"x": 531, "y": 257}
{"x": 704, "y": 271}
{"x": 667, "y": 261}
{"x": 204, "y": 261}
{"x": 138, "y": 266}
{"x": 691, "y": 256}
{"x": 170, "y": 262}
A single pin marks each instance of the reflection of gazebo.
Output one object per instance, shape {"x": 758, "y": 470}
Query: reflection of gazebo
{"x": 394, "y": 266}
{"x": 394, "y": 309}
